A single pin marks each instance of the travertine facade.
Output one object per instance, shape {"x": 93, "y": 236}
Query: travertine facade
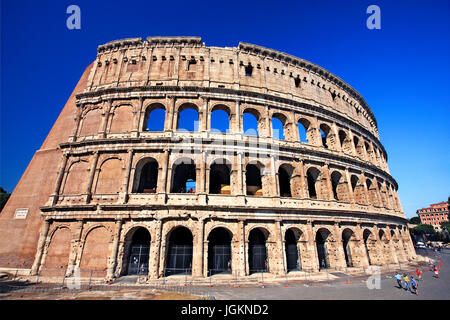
{"x": 103, "y": 185}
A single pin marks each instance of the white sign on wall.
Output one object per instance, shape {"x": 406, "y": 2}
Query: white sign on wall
{"x": 21, "y": 213}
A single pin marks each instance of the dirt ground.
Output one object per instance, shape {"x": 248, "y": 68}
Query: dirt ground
{"x": 120, "y": 294}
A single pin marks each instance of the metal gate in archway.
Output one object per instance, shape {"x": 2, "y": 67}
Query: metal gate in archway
{"x": 138, "y": 261}
{"x": 257, "y": 258}
{"x": 220, "y": 259}
{"x": 323, "y": 256}
{"x": 179, "y": 260}
{"x": 292, "y": 257}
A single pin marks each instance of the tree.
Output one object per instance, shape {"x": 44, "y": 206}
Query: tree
{"x": 414, "y": 220}
{"x": 425, "y": 228}
{"x": 4, "y": 196}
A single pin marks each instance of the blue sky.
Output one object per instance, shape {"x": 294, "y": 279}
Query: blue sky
{"x": 402, "y": 70}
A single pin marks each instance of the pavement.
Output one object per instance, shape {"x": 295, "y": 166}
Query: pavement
{"x": 323, "y": 286}
{"x": 345, "y": 288}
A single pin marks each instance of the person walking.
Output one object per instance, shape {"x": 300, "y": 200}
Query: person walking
{"x": 414, "y": 286}
{"x": 406, "y": 281}
{"x": 436, "y": 272}
{"x": 419, "y": 274}
{"x": 398, "y": 276}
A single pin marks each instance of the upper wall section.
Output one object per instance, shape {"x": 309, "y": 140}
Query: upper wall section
{"x": 187, "y": 62}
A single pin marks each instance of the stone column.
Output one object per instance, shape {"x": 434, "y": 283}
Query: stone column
{"x": 42, "y": 240}
{"x": 75, "y": 248}
{"x": 137, "y": 120}
{"x": 105, "y": 119}
{"x": 284, "y": 270}
{"x": 312, "y": 248}
{"x": 242, "y": 268}
{"x": 93, "y": 171}
{"x": 328, "y": 182}
{"x": 155, "y": 270}
{"x": 340, "y": 255}
{"x": 350, "y": 189}
{"x": 115, "y": 245}
{"x": 197, "y": 259}
{"x": 55, "y": 195}
{"x": 77, "y": 120}
{"x": 123, "y": 197}
{"x": 364, "y": 262}
{"x": 162, "y": 178}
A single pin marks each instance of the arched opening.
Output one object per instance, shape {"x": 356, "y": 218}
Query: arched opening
{"x": 312, "y": 175}
{"x": 322, "y": 251}
{"x": 219, "y": 178}
{"x": 278, "y": 122}
{"x": 303, "y": 127}
{"x": 292, "y": 255}
{"x": 179, "y": 253}
{"x": 220, "y": 119}
{"x": 358, "y": 190}
{"x": 324, "y": 131}
{"x": 184, "y": 177}
{"x": 257, "y": 251}
{"x": 345, "y": 141}
{"x": 154, "y": 118}
{"x": 369, "y": 244}
{"x": 139, "y": 252}
{"x": 253, "y": 180}
{"x": 284, "y": 181}
{"x": 250, "y": 120}
{"x": 219, "y": 251}
{"x": 146, "y": 176}
{"x": 335, "y": 180}
{"x": 346, "y": 236}
{"x": 188, "y": 118}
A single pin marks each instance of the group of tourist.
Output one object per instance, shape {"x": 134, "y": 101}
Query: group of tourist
{"x": 409, "y": 283}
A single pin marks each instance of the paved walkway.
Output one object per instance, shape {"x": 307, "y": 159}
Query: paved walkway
{"x": 429, "y": 288}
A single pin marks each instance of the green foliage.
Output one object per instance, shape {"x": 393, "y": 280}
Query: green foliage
{"x": 4, "y": 196}
{"x": 425, "y": 228}
{"x": 445, "y": 225}
{"x": 414, "y": 220}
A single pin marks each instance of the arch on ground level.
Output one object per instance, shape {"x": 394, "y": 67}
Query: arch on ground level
{"x": 179, "y": 252}
{"x": 293, "y": 261}
{"x": 220, "y": 118}
{"x": 257, "y": 251}
{"x": 284, "y": 180}
{"x": 253, "y": 179}
{"x": 146, "y": 176}
{"x": 57, "y": 257}
{"x": 370, "y": 245}
{"x": 154, "y": 117}
{"x": 188, "y": 118}
{"x": 322, "y": 238}
{"x": 219, "y": 251}
{"x": 219, "y": 177}
{"x": 94, "y": 257}
{"x": 137, "y": 250}
{"x": 347, "y": 235}
{"x": 184, "y": 176}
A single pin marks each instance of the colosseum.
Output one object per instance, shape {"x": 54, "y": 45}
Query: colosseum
{"x": 171, "y": 157}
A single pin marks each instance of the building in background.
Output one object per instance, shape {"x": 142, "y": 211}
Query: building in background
{"x": 435, "y": 214}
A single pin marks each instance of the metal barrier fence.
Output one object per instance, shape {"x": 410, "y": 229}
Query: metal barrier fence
{"x": 180, "y": 279}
